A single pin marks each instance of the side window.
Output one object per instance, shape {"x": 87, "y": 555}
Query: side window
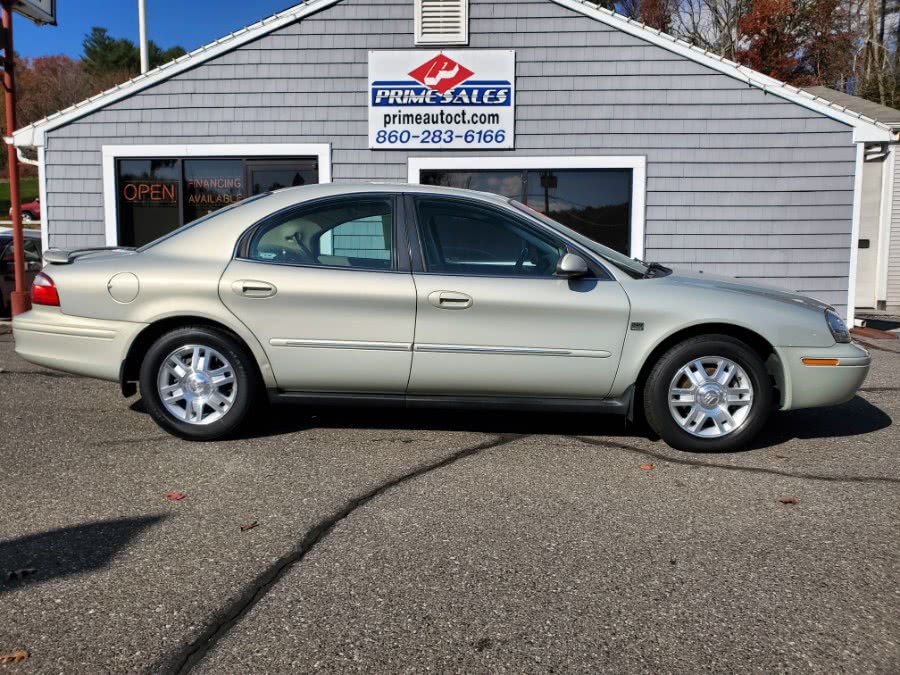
{"x": 460, "y": 237}
{"x": 32, "y": 251}
{"x": 6, "y": 251}
{"x": 356, "y": 233}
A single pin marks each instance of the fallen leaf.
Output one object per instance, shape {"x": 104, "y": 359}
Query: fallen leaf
{"x": 19, "y": 575}
{"x": 648, "y": 467}
{"x": 249, "y": 526}
{"x": 789, "y": 500}
{"x": 14, "y": 656}
{"x": 175, "y": 496}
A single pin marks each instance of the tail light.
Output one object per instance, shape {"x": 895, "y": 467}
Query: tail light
{"x": 43, "y": 291}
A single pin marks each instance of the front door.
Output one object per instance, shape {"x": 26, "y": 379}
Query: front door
{"x": 494, "y": 320}
{"x": 328, "y": 293}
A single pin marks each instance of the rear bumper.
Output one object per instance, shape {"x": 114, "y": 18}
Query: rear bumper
{"x": 91, "y": 347}
{"x": 822, "y": 385}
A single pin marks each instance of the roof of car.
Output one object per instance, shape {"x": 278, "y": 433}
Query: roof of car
{"x": 31, "y": 234}
{"x": 316, "y": 191}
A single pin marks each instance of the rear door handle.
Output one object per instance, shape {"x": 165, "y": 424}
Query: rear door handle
{"x": 450, "y": 300}
{"x": 251, "y": 288}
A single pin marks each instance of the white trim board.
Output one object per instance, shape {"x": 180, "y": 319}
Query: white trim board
{"x": 42, "y": 195}
{"x": 854, "y": 233}
{"x": 637, "y": 163}
{"x": 111, "y": 153}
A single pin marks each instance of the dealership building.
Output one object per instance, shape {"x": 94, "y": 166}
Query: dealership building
{"x": 643, "y": 142}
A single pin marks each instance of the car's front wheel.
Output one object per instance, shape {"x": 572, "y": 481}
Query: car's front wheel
{"x": 708, "y": 393}
{"x": 27, "y": 217}
{"x": 198, "y": 383}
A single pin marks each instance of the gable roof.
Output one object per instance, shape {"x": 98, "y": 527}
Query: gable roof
{"x": 865, "y": 128}
{"x": 881, "y": 113}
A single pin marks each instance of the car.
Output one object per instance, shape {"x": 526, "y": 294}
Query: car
{"x": 31, "y": 211}
{"x": 424, "y": 296}
{"x": 32, "y": 247}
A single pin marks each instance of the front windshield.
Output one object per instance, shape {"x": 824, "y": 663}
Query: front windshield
{"x": 203, "y": 219}
{"x": 620, "y": 260}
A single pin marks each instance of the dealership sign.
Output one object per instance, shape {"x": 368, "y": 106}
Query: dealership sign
{"x": 462, "y": 99}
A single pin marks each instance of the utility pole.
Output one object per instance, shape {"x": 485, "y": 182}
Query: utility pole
{"x": 19, "y": 297}
{"x": 142, "y": 21}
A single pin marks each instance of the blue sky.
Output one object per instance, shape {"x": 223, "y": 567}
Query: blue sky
{"x": 189, "y": 23}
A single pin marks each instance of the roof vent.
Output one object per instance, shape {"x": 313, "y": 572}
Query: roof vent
{"x": 442, "y": 22}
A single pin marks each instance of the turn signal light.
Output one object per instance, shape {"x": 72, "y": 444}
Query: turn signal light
{"x": 43, "y": 291}
{"x": 820, "y": 362}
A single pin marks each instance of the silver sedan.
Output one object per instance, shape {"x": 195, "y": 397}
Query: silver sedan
{"x": 422, "y": 296}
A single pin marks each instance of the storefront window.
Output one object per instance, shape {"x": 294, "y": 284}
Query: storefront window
{"x": 148, "y": 194}
{"x": 210, "y": 184}
{"x": 594, "y": 202}
{"x": 156, "y": 196}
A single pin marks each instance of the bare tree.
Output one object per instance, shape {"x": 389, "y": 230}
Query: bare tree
{"x": 711, "y": 24}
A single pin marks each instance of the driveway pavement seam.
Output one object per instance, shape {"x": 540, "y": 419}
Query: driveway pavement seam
{"x": 730, "y": 467}
{"x": 186, "y": 659}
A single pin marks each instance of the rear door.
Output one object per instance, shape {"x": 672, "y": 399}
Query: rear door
{"x": 494, "y": 320}
{"x": 327, "y": 290}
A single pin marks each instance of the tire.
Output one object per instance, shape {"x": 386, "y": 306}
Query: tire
{"x": 205, "y": 387}
{"x": 714, "y": 417}
{"x": 27, "y": 217}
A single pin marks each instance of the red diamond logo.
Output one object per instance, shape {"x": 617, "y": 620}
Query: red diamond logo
{"x": 441, "y": 73}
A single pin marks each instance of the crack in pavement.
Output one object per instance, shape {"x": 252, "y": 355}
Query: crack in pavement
{"x": 186, "y": 659}
{"x": 730, "y": 467}
{"x": 878, "y": 389}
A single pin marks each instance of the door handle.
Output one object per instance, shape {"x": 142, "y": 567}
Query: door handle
{"x": 251, "y": 288}
{"x": 450, "y": 300}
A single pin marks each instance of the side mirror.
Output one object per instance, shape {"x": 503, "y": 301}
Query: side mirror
{"x": 571, "y": 265}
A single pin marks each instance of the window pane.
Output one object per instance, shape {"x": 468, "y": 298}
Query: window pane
{"x": 355, "y": 234}
{"x": 504, "y": 183}
{"x": 594, "y": 202}
{"x": 274, "y": 176}
{"x": 148, "y": 199}
{"x": 460, "y": 237}
{"x": 32, "y": 251}
{"x": 210, "y": 184}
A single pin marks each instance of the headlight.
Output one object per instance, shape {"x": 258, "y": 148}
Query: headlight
{"x": 837, "y": 326}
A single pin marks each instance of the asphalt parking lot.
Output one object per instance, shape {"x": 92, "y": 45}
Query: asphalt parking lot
{"x": 446, "y": 542}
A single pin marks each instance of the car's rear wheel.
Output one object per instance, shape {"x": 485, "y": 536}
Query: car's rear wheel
{"x": 708, "y": 393}
{"x": 198, "y": 383}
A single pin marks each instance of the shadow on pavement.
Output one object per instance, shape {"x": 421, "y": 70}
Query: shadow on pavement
{"x": 856, "y": 417}
{"x": 65, "y": 552}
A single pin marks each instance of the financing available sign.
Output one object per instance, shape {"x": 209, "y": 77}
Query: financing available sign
{"x": 462, "y": 99}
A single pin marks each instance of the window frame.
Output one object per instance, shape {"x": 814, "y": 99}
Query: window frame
{"x": 400, "y": 261}
{"x": 598, "y": 271}
{"x": 321, "y": 152}
{"x": 637, "y": 164}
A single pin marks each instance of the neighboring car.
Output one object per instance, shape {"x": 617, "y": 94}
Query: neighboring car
{"x": 426, "y": 296}
{"x": 32, "y": 247}
{"x": 31, "y": 211}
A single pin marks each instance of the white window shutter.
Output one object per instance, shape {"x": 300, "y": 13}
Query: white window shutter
{"x": 442, "y": 22}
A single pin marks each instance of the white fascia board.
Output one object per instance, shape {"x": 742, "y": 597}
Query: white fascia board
{"x": 854, "y": 233}
{"x": 865, "y": 129}
{"x": 34, "y": 134}
{"x": 637, "y": 164}
{"x": 322, "y": 151}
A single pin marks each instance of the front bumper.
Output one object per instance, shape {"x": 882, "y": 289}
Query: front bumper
{"x": 809, "y": 386}
{"x": 91, "y": 347}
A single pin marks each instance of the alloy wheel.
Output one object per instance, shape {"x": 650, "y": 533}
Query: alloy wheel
{"x": 710, "y": 397}
{"x": 196, "y": 384}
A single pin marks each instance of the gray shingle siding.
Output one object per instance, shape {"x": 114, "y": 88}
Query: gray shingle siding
{"x": 738, "y": 181}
